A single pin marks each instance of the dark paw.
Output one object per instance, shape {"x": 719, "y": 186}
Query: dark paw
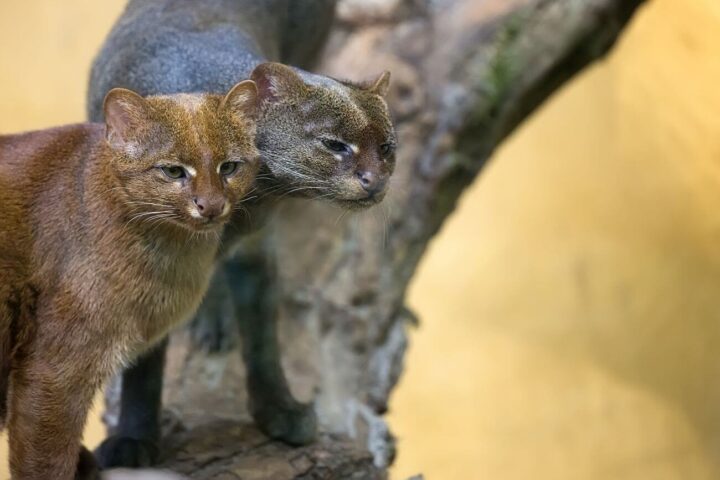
{"x": 126, "y": 452}
{"x": 293, "y": 423}
{"x": 87, "y": 467}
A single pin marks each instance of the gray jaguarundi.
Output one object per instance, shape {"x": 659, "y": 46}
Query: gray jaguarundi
{"x": 318, "y": 137}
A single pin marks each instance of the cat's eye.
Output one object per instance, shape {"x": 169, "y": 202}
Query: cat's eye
{"x": 335, "y": 146}
{"x": 174, "y": 172}
{"x": 228, "y": 168}
{"x": 386, "y": 149}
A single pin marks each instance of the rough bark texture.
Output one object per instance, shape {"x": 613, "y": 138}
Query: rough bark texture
{"x": 465, "y": 74}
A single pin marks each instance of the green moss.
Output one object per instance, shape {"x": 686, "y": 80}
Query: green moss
{"x": 501, "y": 66}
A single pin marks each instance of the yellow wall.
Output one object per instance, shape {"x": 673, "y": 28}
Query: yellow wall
{"x": 571, "y": 307}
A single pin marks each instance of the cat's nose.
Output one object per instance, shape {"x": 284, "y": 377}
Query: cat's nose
{"x": 210, "y": 208}
{"x": 370, "y": 181}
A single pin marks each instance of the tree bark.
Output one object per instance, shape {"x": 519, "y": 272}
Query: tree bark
{"x": 465, "y": 74}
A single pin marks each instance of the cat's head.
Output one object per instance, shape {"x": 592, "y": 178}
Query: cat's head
{"x": 184, "y": 160}
{"x": 324, "y": 138}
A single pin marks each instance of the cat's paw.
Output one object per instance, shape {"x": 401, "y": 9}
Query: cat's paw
{"x": 116, "y": 451}
{"x": 291, "y": 422}
{"x": 87, "y": 467}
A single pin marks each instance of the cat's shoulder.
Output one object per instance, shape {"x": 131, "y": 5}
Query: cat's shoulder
{"x": 57, "y": 138}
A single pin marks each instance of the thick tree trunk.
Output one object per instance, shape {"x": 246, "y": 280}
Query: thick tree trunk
{"x": 465, "y": 74}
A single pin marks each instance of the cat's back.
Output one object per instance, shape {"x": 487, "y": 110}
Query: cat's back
{"x": 37, "y": 170}
{"x": 56, "y": 141}
{"x": 175, "y": 46}
{"x": 25, "y": 158}
{"x": 28, "y": 159}
{"x": 184, "y": 46}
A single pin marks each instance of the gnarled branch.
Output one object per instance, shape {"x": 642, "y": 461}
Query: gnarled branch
{"x": 465, "y": 74}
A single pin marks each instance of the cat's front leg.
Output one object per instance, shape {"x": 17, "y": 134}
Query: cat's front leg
{"x": 49, "y": 402}
{"x": 273, "y": 407}
{"x": 135, "y": 441}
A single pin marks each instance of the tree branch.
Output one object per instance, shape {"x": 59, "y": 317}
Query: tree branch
{"x": 466, "y": 73}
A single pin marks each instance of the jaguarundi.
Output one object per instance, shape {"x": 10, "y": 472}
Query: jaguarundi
{"x": 108, "y": 239}
{"x": 318, "y": 137}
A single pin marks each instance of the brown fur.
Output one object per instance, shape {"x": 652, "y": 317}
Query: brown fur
{"x": 102, "y": 252}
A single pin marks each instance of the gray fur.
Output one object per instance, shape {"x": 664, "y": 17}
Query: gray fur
{"x": 172, "y": 46}
{"x": 175, "y": 46}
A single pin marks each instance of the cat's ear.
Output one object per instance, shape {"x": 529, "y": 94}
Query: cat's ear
{"x": 380, "y": 85}
{"x": 275, "y": 81}
{"x": 242, "y": 99}
{"x": 125, "y": 113}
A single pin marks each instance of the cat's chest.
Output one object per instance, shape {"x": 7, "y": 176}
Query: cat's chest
{"x": 142, "y": 295}
{"x": 169, "y": 298}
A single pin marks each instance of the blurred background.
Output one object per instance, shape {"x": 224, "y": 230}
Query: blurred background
{"x": 570, "y": 309}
